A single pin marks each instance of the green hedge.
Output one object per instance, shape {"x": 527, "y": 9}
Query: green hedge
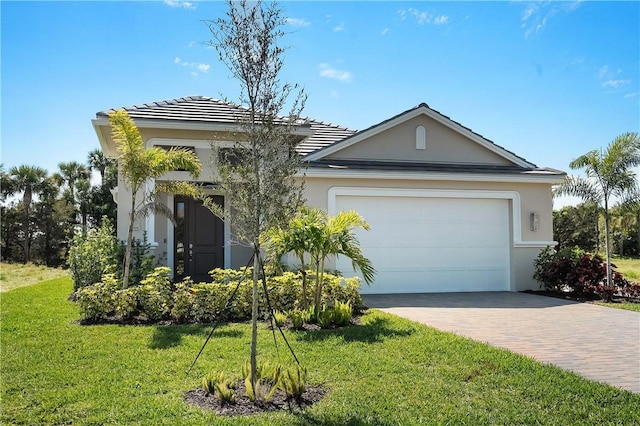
{"x": 157, "y": 299}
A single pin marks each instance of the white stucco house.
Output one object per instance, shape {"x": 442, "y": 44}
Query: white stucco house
{"x": 450, "y": 210}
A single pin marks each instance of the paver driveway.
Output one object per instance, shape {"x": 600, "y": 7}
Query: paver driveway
{"x": 597, "y": 342}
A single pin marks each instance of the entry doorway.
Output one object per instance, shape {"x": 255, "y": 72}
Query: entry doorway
{"x": 198, "y": 239}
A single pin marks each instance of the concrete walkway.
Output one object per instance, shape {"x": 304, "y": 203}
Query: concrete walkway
{"x": 599, "y": 343}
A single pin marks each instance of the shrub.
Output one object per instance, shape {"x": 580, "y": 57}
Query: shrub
{"x": 300, "y": 317}
{"x": 217, "y": 384}
{"x": 126, "y": 302}
{"x": 578, "y": 272}
{"x": 551, "y": 267}
{"x": 293, "y": 382}
{"x": 92, "y": 255}
{"x": 630, "y": 291}
{"x": 183, "y": 298}
{"x": 208, "y": 301}
{"x": 97, "y": 301}
{"x": 142, "y": 262}
{"x": 342, "y": 313}
{"x": 325, "y": 317}
{"x": 155, "y": 294}
{"x": 156, "y": 299}
{"x": 267, "y": 379}
{"x": 280, "y": 318}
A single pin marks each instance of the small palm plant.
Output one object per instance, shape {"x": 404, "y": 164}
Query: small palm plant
{"x": 294, "y": 382}
{"x": 266, "y": 384}
{"x": 319, "y": 235}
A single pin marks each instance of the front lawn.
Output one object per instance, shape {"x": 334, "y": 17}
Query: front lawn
{"x": 387, "y": 371}
{"x": 629, "y": 266}
{"x": 621, "y": 305}
{"x": 15, "y": 275}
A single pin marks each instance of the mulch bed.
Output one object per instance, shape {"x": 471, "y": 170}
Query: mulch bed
{"x": 245, "y": 407}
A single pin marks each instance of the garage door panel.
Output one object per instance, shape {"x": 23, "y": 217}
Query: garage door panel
{"x": 432, "y": 244}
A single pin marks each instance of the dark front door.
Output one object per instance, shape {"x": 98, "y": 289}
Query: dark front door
{"x": 198, "y": 239}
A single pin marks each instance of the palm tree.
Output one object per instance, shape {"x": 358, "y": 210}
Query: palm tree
{"x": 71, "y": 172}
{"x": 99, "y": 162}
{"x": 6, "y": 184}
{"x": 313, "y": 231}
{"x": 29, "y": 180}
{"x": 609, "y": 176}
{"x": 297, "y": 239}
{"x": 336, "y": 237}
{"x": 138, "y": 165}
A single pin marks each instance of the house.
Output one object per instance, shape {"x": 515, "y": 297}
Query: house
{"x": 450, "y": 210}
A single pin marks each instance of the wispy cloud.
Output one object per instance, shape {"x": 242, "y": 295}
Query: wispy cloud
{"x": 614, "y": 81}
{"x": 536, "y": 15}
{"x": 195, "y": 66}
{"x": 441, "y": 20}
{"x": 298, "y": 22}
{"x": 328, "y": 71}
{"x": 385, "y": 32}
{"x": 338, "y": 28}
{"x": 183, "y": 4}
{"x": 423, "y": 17}
{"x": 615, "y": 84}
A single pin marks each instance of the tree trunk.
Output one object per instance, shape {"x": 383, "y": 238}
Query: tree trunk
{"x": 319, "y": 282}
{"x": 127, "y": 253}
{"x": 607, "y": 242}
{"x": 305, "y": 303}
{"x": 597, "y": 231}
{"x": 26, "y": 204}
{"x": 254, "y": 317}
{"x": 638, "y": 230}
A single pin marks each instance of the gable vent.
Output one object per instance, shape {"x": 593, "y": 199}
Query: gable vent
{"x": 421, "y": 137}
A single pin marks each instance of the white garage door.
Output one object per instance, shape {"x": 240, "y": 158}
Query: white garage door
{"x": 423, "y": 244}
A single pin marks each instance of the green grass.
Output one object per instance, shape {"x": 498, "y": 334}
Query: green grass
{"x": 16, "y": 275}
{"x": 629, "y": 266}
{"x": 621, "y": 305}
{"x": 388, "y": 371}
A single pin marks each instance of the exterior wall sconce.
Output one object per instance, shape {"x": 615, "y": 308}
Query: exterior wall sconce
{"x": 535, "y": 221}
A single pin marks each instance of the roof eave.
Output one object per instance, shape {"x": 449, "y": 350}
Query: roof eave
{"x": 524, "y": 177}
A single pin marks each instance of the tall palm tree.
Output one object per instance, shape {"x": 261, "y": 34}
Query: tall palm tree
{"x": 6, "y": 184}
{"x": 72, "y": 172}
{"x": 99, "y": 162}
{"x": 609, "y": 177}
{"x": 138, "y": 165}
{"x": 29, "y": 180}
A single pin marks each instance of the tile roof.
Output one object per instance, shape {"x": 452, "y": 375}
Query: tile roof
{"x": 203, "y": 109}
{"x": 382, "y": 165}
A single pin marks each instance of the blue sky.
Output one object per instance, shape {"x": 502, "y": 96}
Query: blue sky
{"x": 546, "y": 80}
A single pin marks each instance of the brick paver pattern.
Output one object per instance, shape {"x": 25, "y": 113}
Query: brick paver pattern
{"x": 596, "y": 342}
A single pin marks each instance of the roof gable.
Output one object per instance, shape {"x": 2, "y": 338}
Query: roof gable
{"x": 471, "y": 147}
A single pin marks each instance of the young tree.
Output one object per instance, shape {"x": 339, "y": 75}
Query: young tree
{"x": 29, "y": 180}
{"x": 138, "y": 165}
{"x": 257, "y": 178}
{"x": 609, "y": 176}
